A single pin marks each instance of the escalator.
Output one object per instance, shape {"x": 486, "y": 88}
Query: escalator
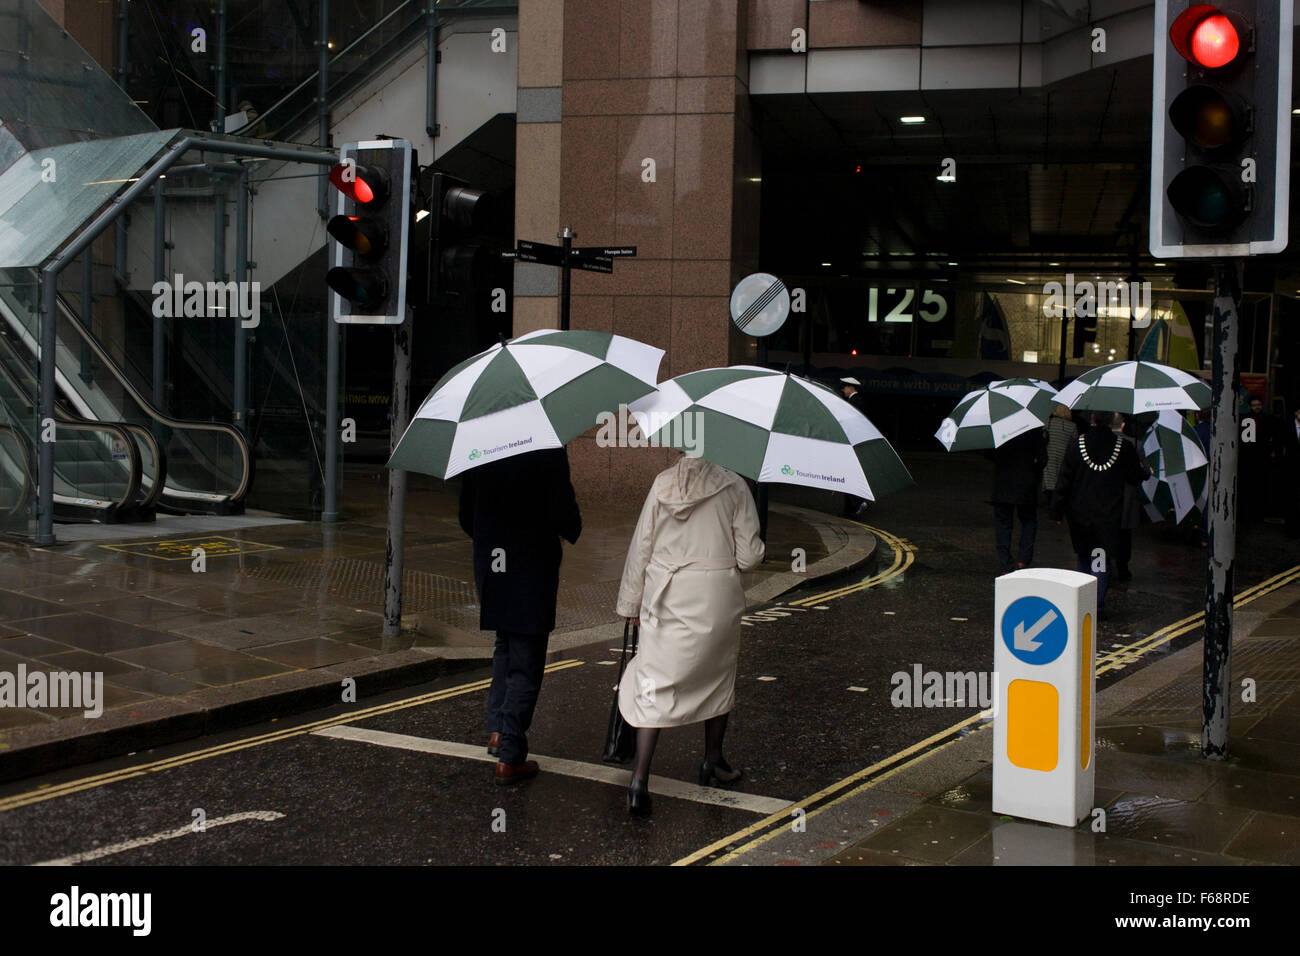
{"x": 117, "y": 456}
{"x": 97, "y": 465}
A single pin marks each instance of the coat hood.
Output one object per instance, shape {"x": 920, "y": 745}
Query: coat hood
{"x": 687, "y": 483}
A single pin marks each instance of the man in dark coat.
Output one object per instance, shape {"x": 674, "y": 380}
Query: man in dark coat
{"x": 516, "y": 510}
{"x": 1090, "y": 493}
{"x": 1017, "y": 469}
{"x": 1254, "y": 459}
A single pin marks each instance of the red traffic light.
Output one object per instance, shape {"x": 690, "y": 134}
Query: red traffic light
{"x": 362, "y": 184}
{"x": 1205, "y": 36}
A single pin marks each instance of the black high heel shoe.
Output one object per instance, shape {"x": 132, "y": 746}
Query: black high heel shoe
{"x": 717, "y": 773}
{"x": 638, "y": 798}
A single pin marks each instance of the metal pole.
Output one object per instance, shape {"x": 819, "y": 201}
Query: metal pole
{"x": 219, "y": 115}
{"x": 159, "y": 275}
{"x": 121, "y": 42}
{"x": 401, "y": 410}
{"x": 330, "y": 512}
{"x": 218, "y": 229}
{"x": 1222, "y": 547}
{"x": 431, "y": 70}
{"x": 239, "y": 378}
{"x": 45, "y": 490}
{"x": 1065, "y": 335}
{"x": 322, "y": 105}
{"x": 87, "y": 294}
{"x": 566, "y": 236}
{"x": 761, "y": 500}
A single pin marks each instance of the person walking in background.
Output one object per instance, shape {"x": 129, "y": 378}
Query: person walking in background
{"x": 1090, "y": 493}
{"x": 517, "y": 510}
{"x": 1061, "y": 431}
{"x": 697, "y": 531}
{"x": 1202, "y": 429}
{"x": 1130, "y": 511}
{"x": 1289, "y": 450}
{"x": 1255, "y": 458}
{"x": 1017, "y": 470}
{"x": 854, "y": 507}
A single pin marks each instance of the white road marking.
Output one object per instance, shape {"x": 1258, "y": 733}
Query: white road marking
{"x": 858, "y": 690}
{"x": 265, "y": 816}
{"x": 767, "y": 678}
{"x": 601, "y": 773}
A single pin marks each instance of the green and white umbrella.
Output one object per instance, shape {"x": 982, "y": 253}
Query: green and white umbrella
{"x": 772, "y": 427}
{"x": 1134, "y": 388}
{"x": 540, "y": 390}
{"x": 1181, "y": 470}
{"x": 997, "y": 413}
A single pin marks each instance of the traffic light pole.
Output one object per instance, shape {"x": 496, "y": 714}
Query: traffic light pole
{"x": 1222, "y": 547}
{"x": 566, "y": 244}
{"x": 1065, "y": 337}
{"x": 401, "y": 411}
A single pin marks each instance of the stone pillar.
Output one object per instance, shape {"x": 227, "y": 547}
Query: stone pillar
{"x": 655, "y": 149}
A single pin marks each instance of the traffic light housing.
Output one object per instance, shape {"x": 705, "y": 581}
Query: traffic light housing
{"x": 458, "y": 216}
{"x": 1085, "y": 334}
{"x": 371, "y": 232}
{"x": 1221, "y": 128}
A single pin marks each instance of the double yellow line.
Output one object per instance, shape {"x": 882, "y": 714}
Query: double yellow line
{"x": 904, "y": 555}
{"x": 126, "y": 773}
{"x": 759, "y": 833}
{"x": 1121, "y": 656}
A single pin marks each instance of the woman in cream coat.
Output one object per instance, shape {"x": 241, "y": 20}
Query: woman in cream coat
{"x": 698, "y": 530}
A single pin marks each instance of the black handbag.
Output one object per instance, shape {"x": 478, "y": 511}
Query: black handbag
{"x": 620, "y": 738}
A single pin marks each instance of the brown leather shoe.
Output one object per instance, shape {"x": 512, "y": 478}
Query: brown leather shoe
{"x": 508, "y": 774}
{"x": 494, "y": 744}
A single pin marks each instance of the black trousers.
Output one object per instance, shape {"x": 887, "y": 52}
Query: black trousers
{"x": 518, "y": 663}
{"x": 1003, "y": 516}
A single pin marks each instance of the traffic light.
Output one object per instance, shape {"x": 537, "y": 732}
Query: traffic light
{"x": 459, "y": 215}
{"x": 1221, "y": 128}
{"x": 371, "y": 231}
{"x": 1085, "y": 334}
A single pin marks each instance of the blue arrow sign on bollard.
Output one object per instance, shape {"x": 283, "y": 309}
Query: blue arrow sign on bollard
{"x": 1034, "y": 630}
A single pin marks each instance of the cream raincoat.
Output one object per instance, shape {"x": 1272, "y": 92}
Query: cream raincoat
{"x": 698, "y": 530}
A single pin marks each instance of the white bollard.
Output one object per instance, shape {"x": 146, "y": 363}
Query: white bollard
{"x": 1044, "y": 654}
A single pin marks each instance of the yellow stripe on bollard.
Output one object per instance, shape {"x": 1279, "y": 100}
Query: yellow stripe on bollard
{"x": 1085, "y": 693}
{"x": 1033, "y": 724}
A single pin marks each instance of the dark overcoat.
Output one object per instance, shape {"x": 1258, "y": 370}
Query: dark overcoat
{"x": 517, "y": 510}
{"x": 1017, "y": 468}
{"x": 1092, "y": 498}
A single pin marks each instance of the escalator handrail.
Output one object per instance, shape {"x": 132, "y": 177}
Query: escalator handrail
{"x": 159, "y": 458}
{"x": 28, "y": 465}
{"x": 86, "y": 424}
{"x": 241, "y": 443}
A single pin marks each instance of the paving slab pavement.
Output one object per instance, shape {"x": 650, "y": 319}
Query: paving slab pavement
{"x": 277, "y": 615}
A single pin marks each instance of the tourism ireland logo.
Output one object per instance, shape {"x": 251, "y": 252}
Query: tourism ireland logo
{"x": 787, "y": 470}
{"x": 475, "y": 455}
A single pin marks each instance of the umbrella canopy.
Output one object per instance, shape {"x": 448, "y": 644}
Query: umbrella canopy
{"x": 997, "y": 413}
{"x": 1134, "y": 388}
{"x": 772, "y": 426}
{"x": 1181, "y": 469}
{"x": 540, "y": 390}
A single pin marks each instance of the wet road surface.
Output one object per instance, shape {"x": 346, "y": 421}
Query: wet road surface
{"x": 403, "y": 779}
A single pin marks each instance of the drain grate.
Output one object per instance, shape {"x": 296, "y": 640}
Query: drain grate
{"x": 363, "y": 581}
